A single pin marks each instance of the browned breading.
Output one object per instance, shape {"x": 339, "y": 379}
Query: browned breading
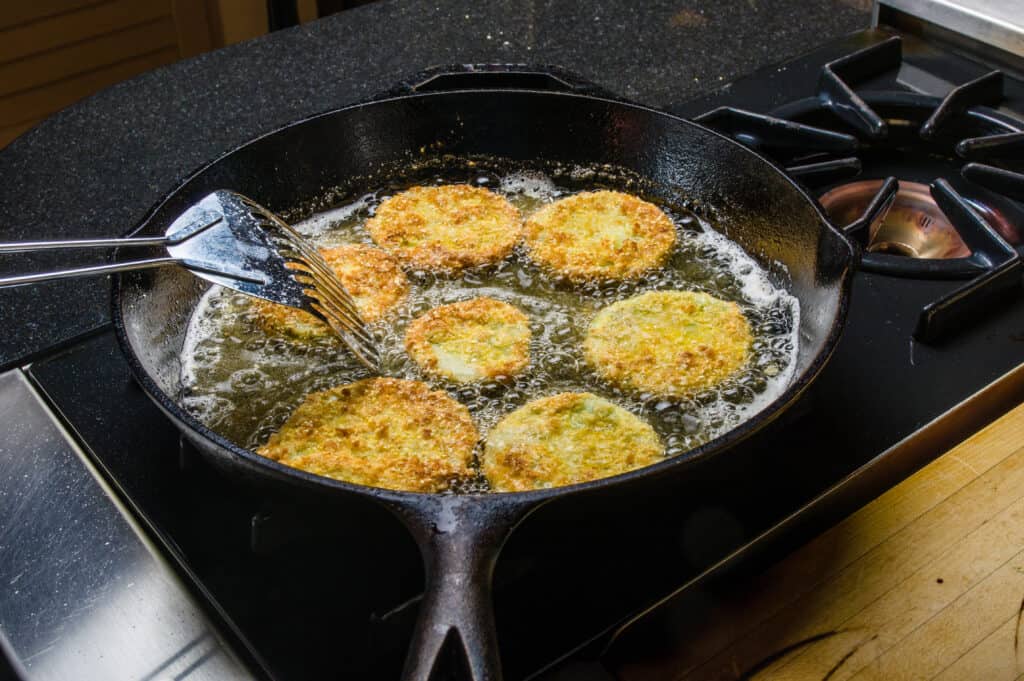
{"x": 470, "y": 340}
{"x": 566, "y": 439}
{"x": 380, "y": 432}
{"x": 673, "y": 343}
{"x": 601, "y": 235}
{"x": 371, "y": 276}
{"x": 446, "y": 228}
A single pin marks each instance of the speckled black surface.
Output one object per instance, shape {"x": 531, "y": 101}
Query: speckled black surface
{"x": 97, "y": 167}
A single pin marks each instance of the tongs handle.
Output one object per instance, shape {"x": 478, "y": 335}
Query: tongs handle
{"x": 22, "y": 279}
{"x": 26, "y": 246}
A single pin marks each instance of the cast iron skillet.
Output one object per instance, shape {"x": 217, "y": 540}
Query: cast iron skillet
{"x": 493, "y": 114}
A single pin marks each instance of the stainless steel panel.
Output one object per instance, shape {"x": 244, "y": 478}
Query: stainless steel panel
{"x": 83, "y": 593}
{"x": 999, "y": 23}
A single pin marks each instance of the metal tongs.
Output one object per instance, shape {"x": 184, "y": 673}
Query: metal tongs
{"x": 233, "y": 241}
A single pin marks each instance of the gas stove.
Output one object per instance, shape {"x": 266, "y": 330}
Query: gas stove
{"x": 935, "y": 343}
{"x": 181, "y": 572}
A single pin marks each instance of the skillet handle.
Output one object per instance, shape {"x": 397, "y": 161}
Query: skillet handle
{"x": 460, "y": 538}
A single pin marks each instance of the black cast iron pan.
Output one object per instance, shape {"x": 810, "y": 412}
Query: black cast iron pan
{"x": 525, "y": 117}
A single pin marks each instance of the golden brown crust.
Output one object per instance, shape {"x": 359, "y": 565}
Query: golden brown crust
{"x": 371, "y": 276}
{"x": 566, "y": 439}
{"x": 673, "y": 343}
{"x": 380, "y": 432}
{"x": 470, "y": 340}
{"x": 601, "y": 235}
{"x": 446, "y": 228}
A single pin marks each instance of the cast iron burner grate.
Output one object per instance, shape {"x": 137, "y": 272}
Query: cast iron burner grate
{"x": 838, "y": 134}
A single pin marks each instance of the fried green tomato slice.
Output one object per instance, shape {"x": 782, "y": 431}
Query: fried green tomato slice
{"x": 471, "y": 340}
{"x": 566, "y": 439}
{"x": 446, "y": 228}
{"x": 670, "y": 343}
{"x": 379, "y": 432}
{"x": 371, "y": 276}
{"x": 600, "y": 236}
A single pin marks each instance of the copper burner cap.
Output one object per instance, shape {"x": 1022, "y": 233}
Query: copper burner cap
{"x": 914, "y": 226}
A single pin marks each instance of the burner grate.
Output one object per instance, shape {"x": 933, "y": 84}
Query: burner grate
{"x": 835, "y": 91}
{"x": 1000, "y": 180}
{"x": 1002, "y": 275}
{"x": 987, "y": 90}
{"x": 759, "y": 131}
{"x": 888, "y": 125}
{"x": 1007, "y": 146}
{"x": 826, "y": 172}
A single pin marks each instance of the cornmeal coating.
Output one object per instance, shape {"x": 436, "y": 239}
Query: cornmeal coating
{"x": 446, "y": 228}
{"x": 566, "y": 439}
{"x": 601, "y": 236}
{"x": 471, "y": 340}
{"x": 371, "y": 276}
{"x": 671, "y": 343}
{"x": 379, "y": 432}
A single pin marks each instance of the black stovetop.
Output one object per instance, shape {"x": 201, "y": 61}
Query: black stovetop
{"x": 330, "y": 592}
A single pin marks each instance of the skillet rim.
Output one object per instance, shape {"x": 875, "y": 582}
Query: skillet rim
{"x": 322, "y": 484}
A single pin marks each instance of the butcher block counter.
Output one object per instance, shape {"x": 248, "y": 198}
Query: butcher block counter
{"x": 925, "y": 582}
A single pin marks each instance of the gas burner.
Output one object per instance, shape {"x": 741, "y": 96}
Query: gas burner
{"x": 918, "y": 139}
{"x": 947, "y": 220}
{"x": 917, "y": 158}
{"x": 913, "y": 227}
{"x": 795, "y": 136}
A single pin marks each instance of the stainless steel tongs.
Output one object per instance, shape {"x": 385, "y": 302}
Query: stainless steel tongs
{"x": 231, "y": 240}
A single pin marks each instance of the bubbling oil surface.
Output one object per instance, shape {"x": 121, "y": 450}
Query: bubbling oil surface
{"x": 243, "y": 382}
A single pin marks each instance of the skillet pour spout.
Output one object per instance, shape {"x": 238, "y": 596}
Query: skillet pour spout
{"x": 533, "y": 123}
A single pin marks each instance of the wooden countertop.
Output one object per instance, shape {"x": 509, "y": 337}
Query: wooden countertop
{"x": 925, "y": 582}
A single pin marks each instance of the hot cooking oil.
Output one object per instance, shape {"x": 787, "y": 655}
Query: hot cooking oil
{"x": 243, "y": 382}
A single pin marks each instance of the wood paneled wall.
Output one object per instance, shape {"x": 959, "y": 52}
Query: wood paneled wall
{"x": 55, "y": 52}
